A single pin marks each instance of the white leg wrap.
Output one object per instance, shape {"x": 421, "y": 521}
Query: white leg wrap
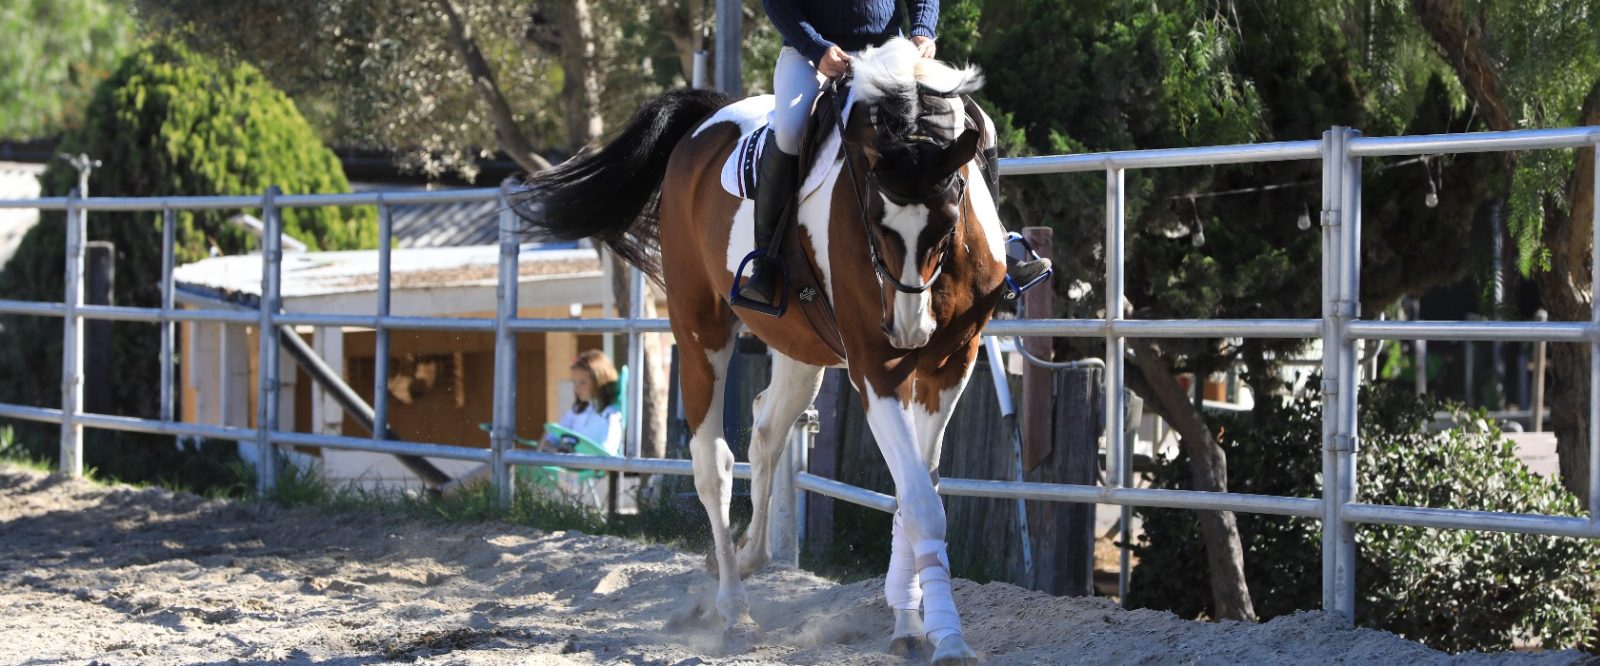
{"x": 938, "y": 603}
{"x": 901, "y": 587}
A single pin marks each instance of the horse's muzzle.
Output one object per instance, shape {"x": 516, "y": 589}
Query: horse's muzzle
{"x": 912, "y": 339}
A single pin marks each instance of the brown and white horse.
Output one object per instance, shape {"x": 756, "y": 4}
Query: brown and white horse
{"x": 899, "y": 190}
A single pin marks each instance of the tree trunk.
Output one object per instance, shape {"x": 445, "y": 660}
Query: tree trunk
{"x": 512, "y": 140}
{"x": 653, "y": 431}
{"x": 1565, "y": 288}
{"x": 1230, "y": 596}
{"x": 685, "y": 25}
{"x": 1568, "y": 294}
{"x": 580, "y": 88}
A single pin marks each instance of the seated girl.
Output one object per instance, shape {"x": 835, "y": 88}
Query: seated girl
{"x": 594, "y": 414}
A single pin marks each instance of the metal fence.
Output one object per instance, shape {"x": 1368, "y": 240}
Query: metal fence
{"x": 1340, "y": 330}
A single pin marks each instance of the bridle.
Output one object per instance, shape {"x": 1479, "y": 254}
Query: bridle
{"x": 956, "y": 181}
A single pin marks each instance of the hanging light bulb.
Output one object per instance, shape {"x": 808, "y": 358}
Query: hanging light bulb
{"x": 1304, "y": 222}
{"x": 1199, "y": 237}
{"x": 1431, "y": 199}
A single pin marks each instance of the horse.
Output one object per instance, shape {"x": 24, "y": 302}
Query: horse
{"x": 911, "y": 258}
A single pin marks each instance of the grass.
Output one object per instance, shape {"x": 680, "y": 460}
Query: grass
{"x": 12, "y": 452}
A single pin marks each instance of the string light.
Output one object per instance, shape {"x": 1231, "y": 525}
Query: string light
{"x": 1431, "y": 199}
{"x": 1305, "y": 217}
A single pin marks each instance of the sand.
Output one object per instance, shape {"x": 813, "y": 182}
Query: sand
{"x": 116, "y": 575}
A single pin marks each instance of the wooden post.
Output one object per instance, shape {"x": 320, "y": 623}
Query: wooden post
{"x": 1538, "y": 376}
{"x": 1035, "y": 409}
{"x": 1063, "y": 533}
{"x": 100, "y": 281}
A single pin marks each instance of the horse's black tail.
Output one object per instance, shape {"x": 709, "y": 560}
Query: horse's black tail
{"x": 610, "y": 194}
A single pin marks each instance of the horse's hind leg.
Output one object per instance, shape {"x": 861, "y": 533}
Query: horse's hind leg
{"x": 705, "y": 345}
{"x": 794, "y": 385}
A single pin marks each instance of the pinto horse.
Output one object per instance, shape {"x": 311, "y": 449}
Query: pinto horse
{"x": 910, "y": 256}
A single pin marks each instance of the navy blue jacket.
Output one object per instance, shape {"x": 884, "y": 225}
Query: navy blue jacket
{"x": 811, "y": 26}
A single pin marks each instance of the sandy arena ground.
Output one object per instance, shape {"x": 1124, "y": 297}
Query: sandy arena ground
{"x": 115, "y": 575}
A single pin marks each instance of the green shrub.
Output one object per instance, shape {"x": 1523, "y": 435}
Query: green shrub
{"x": 1454, "y": 590}
{"x": 167, "y": 122}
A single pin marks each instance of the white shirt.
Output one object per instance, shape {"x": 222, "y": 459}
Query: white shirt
{"x": 603, "y": 428}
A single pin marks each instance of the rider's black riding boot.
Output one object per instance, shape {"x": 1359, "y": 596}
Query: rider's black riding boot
{"x": 775, "y": 190}
{"x": 1021, "y": 271}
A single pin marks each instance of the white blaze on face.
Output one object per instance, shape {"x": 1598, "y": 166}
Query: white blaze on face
{"x": 913, "y": 313}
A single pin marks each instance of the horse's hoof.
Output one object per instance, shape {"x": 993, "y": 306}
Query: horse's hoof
{"x": 911, "y": 648}
{"x": 739, "y": 638}
{"x": 953, "y": 651}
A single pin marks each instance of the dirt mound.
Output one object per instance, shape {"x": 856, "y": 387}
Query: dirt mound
{"x": 121, "y": 575}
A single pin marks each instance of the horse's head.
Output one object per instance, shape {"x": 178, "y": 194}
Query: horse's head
{"x": 909, "y": 128}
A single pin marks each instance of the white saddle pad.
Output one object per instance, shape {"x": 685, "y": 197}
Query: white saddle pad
{"x": 742, "y": 172}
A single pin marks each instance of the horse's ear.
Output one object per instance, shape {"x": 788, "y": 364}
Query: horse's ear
{"x": 960, "y": 151}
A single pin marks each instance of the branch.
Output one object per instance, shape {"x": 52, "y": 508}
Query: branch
{"x": 1462, "y": 43}
{"x": 512, "y": 140}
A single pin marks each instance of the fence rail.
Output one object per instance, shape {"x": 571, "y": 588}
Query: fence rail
{"x": 1340, "y": 329}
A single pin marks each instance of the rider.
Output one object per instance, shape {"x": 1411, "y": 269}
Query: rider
{"x": 818, "y": 38}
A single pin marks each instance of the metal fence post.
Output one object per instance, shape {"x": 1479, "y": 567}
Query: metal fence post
{"x": 1116, "y": 346}
{"x": 505, "y": 354}
{"x": 783, "y": 525}
{"x": 730, "y": 26}
{"x": 1348, "y": 309}
{"x": 1330, "y": 366}
{"x": 72, "y": 341}
{"x": 636, "y": 371}
{"x": 380, "y": 354}
{"x": 267, "y": 337}
{"x": 1594, "y": 342}
{"x": 169, "y": 223}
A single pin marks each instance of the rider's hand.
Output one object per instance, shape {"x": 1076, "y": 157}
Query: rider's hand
{"x": 924, "y": 45}
{"x": 834, "y": 63}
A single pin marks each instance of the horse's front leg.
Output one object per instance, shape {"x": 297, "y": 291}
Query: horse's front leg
{"x": 920, "y": 524}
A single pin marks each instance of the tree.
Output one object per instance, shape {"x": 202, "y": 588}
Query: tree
{"x": 1217, "y": 242}
{"x": 57, "y": 50}
{"x": 1538, "y": 65}
{"x": 167, "y": 122}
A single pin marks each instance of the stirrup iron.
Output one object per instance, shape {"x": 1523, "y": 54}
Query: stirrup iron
{"x": 1013, "y": 289}
{"x": 782, "y": 291}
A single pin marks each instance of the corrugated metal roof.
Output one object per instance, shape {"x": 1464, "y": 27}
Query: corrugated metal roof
{"x": 447, "y": 225}
{"x": 311, "y": 274}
